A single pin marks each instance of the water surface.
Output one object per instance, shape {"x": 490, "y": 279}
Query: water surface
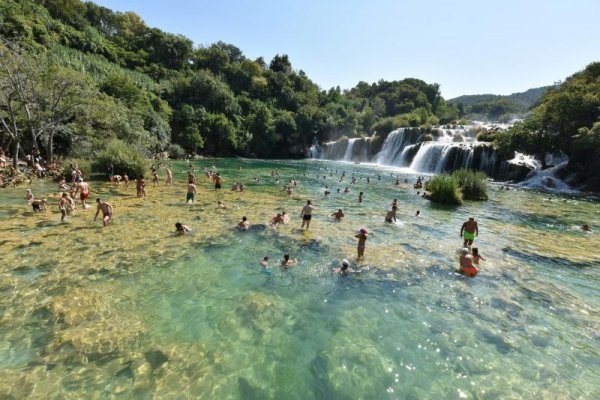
{"x": 133, "y": 311}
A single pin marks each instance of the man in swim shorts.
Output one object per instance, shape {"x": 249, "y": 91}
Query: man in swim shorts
{"x": 84, "y": 192}
{"x": 306, "y": 214}
{"x": 38, "y": 205}
{"x": 468, "y": 231}
{"x": 218, "y": 182}
{"x": 191, "y": 192}
{"x": 107, "y": 211}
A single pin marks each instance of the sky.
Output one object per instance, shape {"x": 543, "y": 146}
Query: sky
{"x": 466, "y": 46}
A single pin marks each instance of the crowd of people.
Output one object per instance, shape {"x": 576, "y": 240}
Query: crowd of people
{"x": 78, "y": 189}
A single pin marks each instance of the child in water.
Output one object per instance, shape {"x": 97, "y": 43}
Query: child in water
{"x": 476, "y": 256}
{"x": 362, "y": 241}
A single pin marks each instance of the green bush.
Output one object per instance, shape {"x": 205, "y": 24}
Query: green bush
{"x": 472, "y": 184}
{"x": 176, "y": 151}
{"x": 444, "y": 189}
{"x": 123, "y": 158}
{"x": 83, "y": 164}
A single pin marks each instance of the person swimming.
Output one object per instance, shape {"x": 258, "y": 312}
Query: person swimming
{"x": 265, "y": 265}
{"x": 343, "y": 269}
{"x": 244, "y": 224}
{"x": 181, "y": 229}
{"x": 288, "y": 262}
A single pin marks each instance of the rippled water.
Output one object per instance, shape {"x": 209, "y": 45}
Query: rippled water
{"x": 133, "y": 311}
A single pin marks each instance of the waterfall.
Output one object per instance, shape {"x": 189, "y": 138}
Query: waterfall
{"x": 392, "y": 147}
{"x": 438, "y": 150}
{"x": 348, "y": 153}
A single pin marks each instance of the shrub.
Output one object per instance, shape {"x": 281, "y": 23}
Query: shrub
{"x": 472, "y": 184}
{"x": 84, "y": 165}
{"x": 176, "y": 151}
{"x": 444, "y": 189}
{"x": 123, "y": 158}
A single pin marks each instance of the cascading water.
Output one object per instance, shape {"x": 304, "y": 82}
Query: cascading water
{"x": 427, "y": 151}
{"x": 348, "y": 153}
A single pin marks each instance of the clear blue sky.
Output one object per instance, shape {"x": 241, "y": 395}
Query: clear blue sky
{"x": 467, "y": 46}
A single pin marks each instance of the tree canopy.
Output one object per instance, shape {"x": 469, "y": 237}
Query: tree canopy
{"x": 121, "y": 79}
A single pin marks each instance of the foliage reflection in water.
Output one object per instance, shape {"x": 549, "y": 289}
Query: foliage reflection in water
{"x": 133, "y": 310}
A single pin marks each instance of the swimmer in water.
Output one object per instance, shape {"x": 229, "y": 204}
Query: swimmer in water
{"x": 244, "y": 224}
{"x": 288, "y": 262}
{"x": 276, "y": 220}
{"x": 265, "y": 265}
{"x": 181, "y": 229}
{"x": 467, "y": 266}
{"x": 476, "y": 256}
{"x": 339, "y": 214}
{"x": 343, "y": 269}
{"x": 221, "y": 205}
{"x": 586, "y": 228}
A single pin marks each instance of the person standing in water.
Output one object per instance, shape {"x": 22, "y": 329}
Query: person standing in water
{"x": 191, "y": 193}
{"x": 390, "y": 216}
{"x": 362, "y": 243}
{"x": 106, "y": 209}
{"x": 468, "y": 231}
{"x": 169, "y": 180}
{"x": 360, "y": 198}
{"x": 218, "y": 182}
{"x": 84, "y": 190}
{"x": 306, "y": 214}
{"x": 64, "y": 205}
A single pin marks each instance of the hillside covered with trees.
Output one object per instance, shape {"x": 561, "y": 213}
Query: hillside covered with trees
{"x": 567, "y": 121}
{"x": 76, "y": 76}
{"x": 498, "y": 108}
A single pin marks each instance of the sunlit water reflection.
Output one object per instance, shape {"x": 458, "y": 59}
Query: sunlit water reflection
{"x": 133, "y": 311}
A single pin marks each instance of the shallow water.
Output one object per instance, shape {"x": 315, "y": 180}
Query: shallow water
{"x": 133, "y": 311}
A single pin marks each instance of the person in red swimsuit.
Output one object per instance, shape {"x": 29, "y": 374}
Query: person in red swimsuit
{"x": 466, "y": 263}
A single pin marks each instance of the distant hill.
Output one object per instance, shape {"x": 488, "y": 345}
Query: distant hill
{"x": 525, "y": 99}
{"x": 498, "y": 107}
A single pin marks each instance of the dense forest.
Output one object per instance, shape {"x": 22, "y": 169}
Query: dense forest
{"x": 498, "y": 108}
{"x": 76, "y": 76}
{"x": 79, "y": 80}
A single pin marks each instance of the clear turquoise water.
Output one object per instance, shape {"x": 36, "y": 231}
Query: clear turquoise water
{"x": 132, "y": 311}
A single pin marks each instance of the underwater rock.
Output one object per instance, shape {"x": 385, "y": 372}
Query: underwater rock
{"x": 91, "y": 324}
{"x": 156, "y": 358}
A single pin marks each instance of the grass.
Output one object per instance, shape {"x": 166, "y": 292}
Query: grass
{"x": 444, "y": 189}
{"x": 472, "y": 184}
{"x": 462, "y": 184}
